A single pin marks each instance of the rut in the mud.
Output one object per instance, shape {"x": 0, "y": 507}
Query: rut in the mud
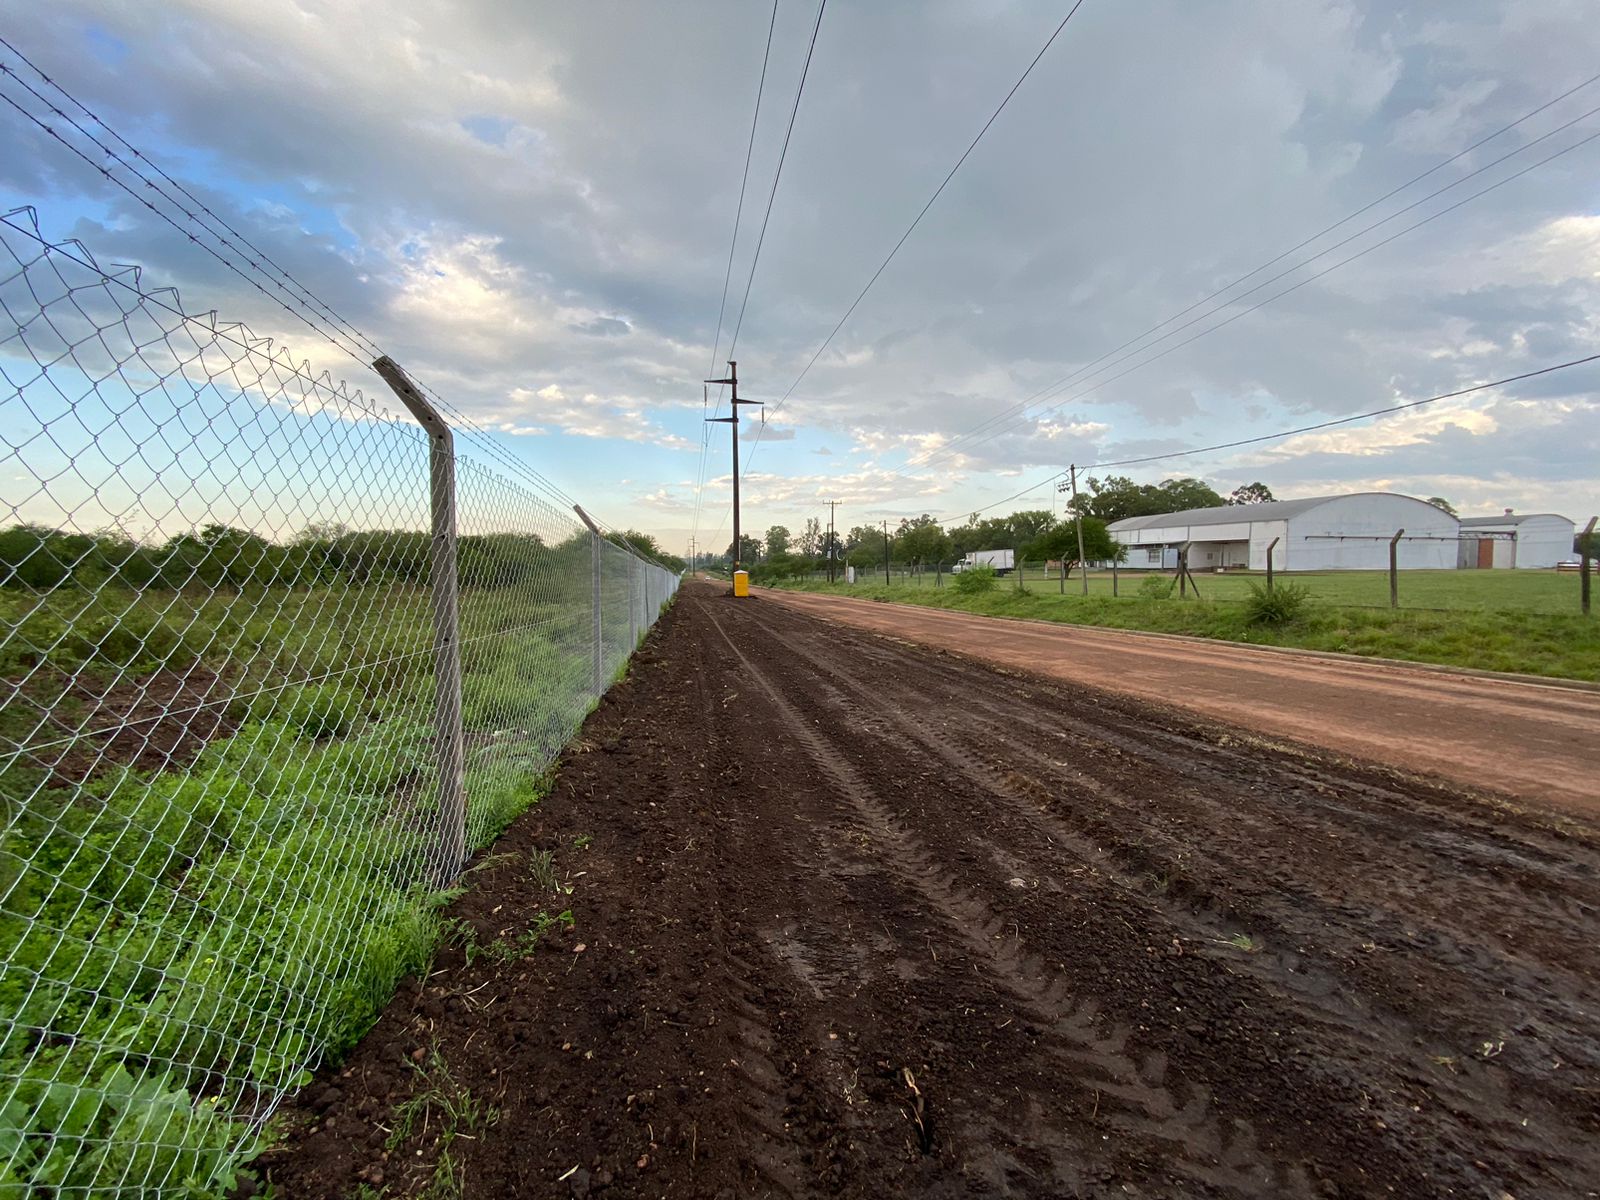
{"x": 861, "y": 919}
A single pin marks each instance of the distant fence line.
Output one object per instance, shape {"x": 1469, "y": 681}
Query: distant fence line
{"x": 273, "y": 662}
{"x": 1366, "y": 588}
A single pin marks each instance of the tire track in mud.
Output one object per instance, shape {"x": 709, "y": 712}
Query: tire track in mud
{"x": 1094, "y": 1059}
{"x": 1308, "y": 987}
{"x": 1420, "y": 877}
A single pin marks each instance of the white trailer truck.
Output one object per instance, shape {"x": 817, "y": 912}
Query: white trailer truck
{"x": 1001, "y": 560}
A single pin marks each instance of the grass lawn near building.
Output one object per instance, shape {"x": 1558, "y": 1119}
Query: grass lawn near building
{"x": 1483, "y": 628}
{"x": 1541, "y": 591}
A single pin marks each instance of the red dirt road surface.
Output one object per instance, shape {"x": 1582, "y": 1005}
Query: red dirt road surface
{"x": 1533, "y": 741}
{"x": 857, "y": 918}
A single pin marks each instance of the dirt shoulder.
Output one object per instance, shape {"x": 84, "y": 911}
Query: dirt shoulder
{"x": 1532, "y": 741}
{"x": 857, "y": 918}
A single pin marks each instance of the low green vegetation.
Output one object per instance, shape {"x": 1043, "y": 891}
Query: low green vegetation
{"x": 1564, "y": 645}
{"x": 976, "y": 582}
{"x": 441, "y": 1109}
{"x": 179, "y": 947}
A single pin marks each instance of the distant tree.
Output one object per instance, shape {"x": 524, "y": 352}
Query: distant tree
{"x": 864, "y": 546}
{"x": 749, "y": 550}
{"x": 1252, "y": 493}
{"x": 1175, "y": 495}
{"x": 811, "y": 538}
{"x": 1060, "y": 544}
{"x": 1442, "y": 504}
{"x": 921, "y": 539}
{"x": 777, "y": 541}
{"x": 1116, "y": 497}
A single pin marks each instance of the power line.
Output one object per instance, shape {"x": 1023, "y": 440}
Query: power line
{"x": 772, "y": 196}
{"x": 1272, "y": 437}
{"x": 943, "y": 451}
{"x": 1087, "y": 370}
{"x": 365, "y": 349}
{"x": 776, "y": 176}
{"x": 727, "y": 274}
{"x": 917, "y": 220}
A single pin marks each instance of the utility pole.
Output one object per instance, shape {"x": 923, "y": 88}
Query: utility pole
{"x": 1083, "y": 566}
{"x": 732, "y": 420}
{"x": 886, "y": 554}
{"x": 831, "y": 503}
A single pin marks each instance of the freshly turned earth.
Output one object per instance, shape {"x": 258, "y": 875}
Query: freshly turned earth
{"x": 863, "y": 919}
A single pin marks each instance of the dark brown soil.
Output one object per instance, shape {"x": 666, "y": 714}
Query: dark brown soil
{"x": 857, "y": 918}
{"x": 89, "y": 722}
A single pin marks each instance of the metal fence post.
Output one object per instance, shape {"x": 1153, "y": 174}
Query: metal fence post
{"x": 633, "y": 604}
{"x": 452, "y": 850}
{"x": 599, "y": 645}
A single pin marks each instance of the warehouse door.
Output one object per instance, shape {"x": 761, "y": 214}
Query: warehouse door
{"x": 1485, "y": 553}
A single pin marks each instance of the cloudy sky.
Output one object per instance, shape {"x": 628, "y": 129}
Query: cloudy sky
{"x": 529, "y": 205}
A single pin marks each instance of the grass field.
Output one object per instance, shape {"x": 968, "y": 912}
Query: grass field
{"x": 1484, "y": 591}
{"x": 178, "y": 946}
{"x": 1483, "y": 629}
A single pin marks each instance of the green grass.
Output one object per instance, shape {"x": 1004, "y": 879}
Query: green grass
{"x": 179, "y": 949}
{"x": 1520, "y": 591}
{"x": 1535, "y": 643}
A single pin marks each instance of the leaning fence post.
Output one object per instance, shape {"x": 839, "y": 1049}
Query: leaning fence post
{"x": 595, "y": 570}
{"x": 1394, "y": 568}
{"x": 452, "y": 851}
{"x": 1270, "y": 548}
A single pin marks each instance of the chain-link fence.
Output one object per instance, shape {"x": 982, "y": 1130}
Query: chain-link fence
{"x": 236, "y": 761}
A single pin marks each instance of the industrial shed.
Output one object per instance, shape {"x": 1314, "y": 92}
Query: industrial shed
{"x": 1324, "y": 533}
{"x": 1515, "y": 540}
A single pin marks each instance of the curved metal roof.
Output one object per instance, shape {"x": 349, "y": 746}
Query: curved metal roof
{"x": 1228, "y": 514}
{"x": 1513, "y": 519}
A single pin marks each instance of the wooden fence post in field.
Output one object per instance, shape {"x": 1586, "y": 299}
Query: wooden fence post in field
{"x": 1394, "y": 568}
{"x": 452, "y": 849}
{"x": 1270, "y": 549}
{"x": 1584, "y": 560}
{"x": 1113, "y": 577}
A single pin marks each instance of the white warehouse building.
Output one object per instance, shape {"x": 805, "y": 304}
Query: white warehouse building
{"x": 1326, "y": 533}
{"x": 1516, "y": 540}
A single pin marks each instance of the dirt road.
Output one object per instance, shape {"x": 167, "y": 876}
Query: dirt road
{"x": 861, "y": 919}
{"x": 1534, "y": 741}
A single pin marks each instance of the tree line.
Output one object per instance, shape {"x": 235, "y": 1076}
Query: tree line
{"x": 1036, "y": 535}
{"x": 218, "y": 557}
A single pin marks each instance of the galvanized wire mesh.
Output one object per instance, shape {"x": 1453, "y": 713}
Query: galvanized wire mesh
{"x": 218, "y": 754}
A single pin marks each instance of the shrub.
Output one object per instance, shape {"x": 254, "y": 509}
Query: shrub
{"x": 975, "y": 581}
{"x": 1276, "y": 606}
{"x": 1155, "y": 587}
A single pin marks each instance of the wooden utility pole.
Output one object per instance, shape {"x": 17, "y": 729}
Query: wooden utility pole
{"x": 732, "y": 420}
{"x": 886, "y": 553}
{"x": 831, "y": 503}
{"x": 1083, "y": 566}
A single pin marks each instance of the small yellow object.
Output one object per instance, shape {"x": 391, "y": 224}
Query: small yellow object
{"x": 741, "y": 583}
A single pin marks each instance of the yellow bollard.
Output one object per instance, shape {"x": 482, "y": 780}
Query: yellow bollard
{"x": 741, "y": 583}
